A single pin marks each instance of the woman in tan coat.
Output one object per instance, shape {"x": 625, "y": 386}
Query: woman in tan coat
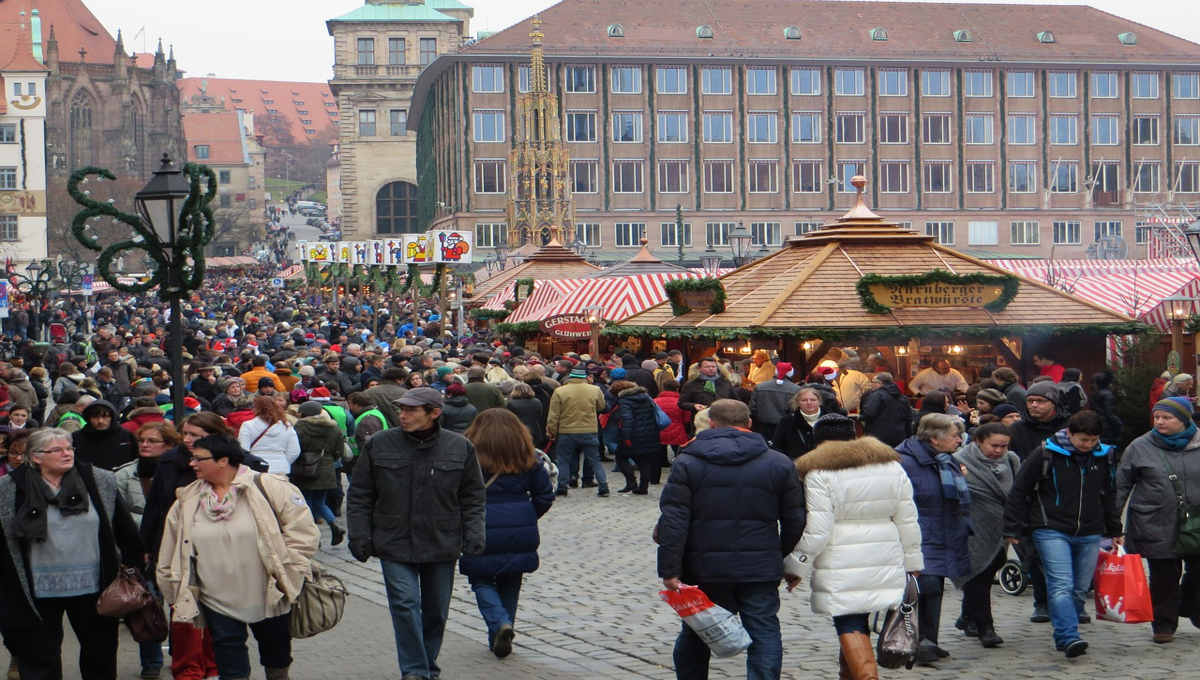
{"x": 235, "y": 552}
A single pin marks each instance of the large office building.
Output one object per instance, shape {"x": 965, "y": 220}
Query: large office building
{"x": 1000, "y": 129}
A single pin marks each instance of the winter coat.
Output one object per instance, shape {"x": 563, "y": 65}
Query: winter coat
{"x": 692, "y": 392}
{"x": 573, "y": 409}
{"x": 642, "y": 378}
{"x": 770, "y": 402}
{"x": 529, "y": 411}
{"x": 118, "y": 540}
{"x": 793, "y": 435}
{"x": 861, "y": 535}
{"x": 22, "y": 393}
{"x": 484, "y": 396}
{"x": 1105, "y": 404}
{"x": 129, "y": 485}
{"x": 108, "y": 449}
{"x": 416, "y": 500}
{"x": 887, "y": 414}
{"x": 989, "y": 495}
{"x": 1028, "y": 434}
{"x": 674, "y": 434}
{"x": 1151, "y": 520}
{"x": 731, "y": 509}
{"x": 320, "y": 434}
{"x": 1076, "y": 494}
{"x": 140, "y": 416}
{"x": 287, "y": 539}
{"x": 1073, "y": 398}
{"x": 239, "y": 417}
{"x": 457, "y": 414}
{"x": 636, "y": 422}
{"x": 252, "y": 377}
{"x": 1014, "y": 394}
{"x": 944, "y": 525}
{"x": 514, "y": 504}
{"x": 278, "y": 445}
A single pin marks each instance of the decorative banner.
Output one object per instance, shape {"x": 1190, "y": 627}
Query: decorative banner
{"x": 303, "y": 245}
{"x": 376, "y": 254}
{"x": 360, "y": 252}
{"x": 345, "y": 252}
{"x": 936, "y": 289}
{"x": 393, "y": 251}
{"x": 453, "y": 246}
{"x": 567, "y": 326}
{"x": 3, "y": 299}
{"x": 418, "y": 248}
{"x": 320, "y": 252}
{"x": 85, "y": 284}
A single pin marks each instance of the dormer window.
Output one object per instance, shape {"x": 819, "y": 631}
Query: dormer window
{"x": 879, "y": 34}
{"x": 616, "y": 31}
{"x": 962, "y": 36}
{"x": 704, "y": 31}
{"x": 791, "y": 32}
{"x": 1045, "y": 37}
{"x": 1127, "y": 38}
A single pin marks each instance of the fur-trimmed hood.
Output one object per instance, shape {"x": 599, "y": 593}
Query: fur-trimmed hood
{"x": 839, "y": 455}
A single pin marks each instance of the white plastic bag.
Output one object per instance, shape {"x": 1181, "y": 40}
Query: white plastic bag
{"x": 718, "y": 627}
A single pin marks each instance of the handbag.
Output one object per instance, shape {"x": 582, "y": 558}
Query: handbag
{"x": 661, "y": 418}
{"x": 149, "y": 624}
{"x": 125, "y": 595}
{"x": 307, "y": 465}
{"x": 900, "y": 633}
{"x": 322, "y": 599}
{"x": 1187, "y": 524}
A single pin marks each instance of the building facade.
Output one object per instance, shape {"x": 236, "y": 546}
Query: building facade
{"x": 999, "y": 129}
{"x": 379, "y": 51}
{"x": 22, "y": 144}
{"x": 226, "y": 142}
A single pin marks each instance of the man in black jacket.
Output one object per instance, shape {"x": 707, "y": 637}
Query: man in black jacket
{"x": 731, "y": 509}
{"x": 885, "y": 411}
{"x": 638, "y": 375}
{"x": 416, "y": 501}
{"x": 709, "y": 386}
{"x": 103, "y": 442}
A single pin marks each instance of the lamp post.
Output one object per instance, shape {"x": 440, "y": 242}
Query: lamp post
{"x": 172, "y": 226}
{"x": 1192, "y": 235}
{"x": 36, "y": 285}
{"x": 711, "y": 261}
{"x": 740, "y": 242}
{"x": 1179, "y": 309}
{"x": 595, "y": 317}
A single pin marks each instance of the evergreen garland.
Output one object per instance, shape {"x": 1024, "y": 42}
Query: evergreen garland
{"x": 527, "y": 285}
{"x": 899, "y": 333}
{"x": 480, "y": 313}
{"x": 676, "y": 288}
{"x": 519, "y": 328}
{"x": 1010, "y": 285}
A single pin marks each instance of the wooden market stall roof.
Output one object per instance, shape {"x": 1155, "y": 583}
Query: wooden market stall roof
{"x": 644, "y": 262}
{"x": 551, "y": 261}
{"x": 811, "y": 286}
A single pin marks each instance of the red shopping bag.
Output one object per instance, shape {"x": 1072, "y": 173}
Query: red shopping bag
{"x": 719, "y": 628}
{"x": 1122, "y": 592}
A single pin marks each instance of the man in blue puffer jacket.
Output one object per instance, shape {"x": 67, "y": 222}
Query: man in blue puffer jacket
{"x": 731, "y": 509}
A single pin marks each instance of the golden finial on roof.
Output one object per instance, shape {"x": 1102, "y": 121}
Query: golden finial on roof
{"x": 536, "y": 34}
{"x": 860, "y": 211}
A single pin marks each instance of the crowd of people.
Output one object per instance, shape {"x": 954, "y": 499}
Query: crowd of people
{"x": 442, "y": 451}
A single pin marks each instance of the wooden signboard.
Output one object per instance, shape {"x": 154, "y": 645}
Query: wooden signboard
{"x": 899, "y": 296}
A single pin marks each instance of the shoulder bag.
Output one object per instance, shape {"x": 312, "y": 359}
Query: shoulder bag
{"x": 322, "y": 599}
{"x": 125, "y": 595}
{"x": 900, "y": 633}
{"x": 1187, "y": 525}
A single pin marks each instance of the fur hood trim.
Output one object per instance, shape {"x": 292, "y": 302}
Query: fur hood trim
{"x": 631, "y": 391}
{"x": 839, "y": 455}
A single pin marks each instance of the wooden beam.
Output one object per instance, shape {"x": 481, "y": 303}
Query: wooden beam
{"x": 794, "y": 284}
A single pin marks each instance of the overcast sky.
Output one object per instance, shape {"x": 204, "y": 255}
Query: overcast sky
{"x": 287, "y": 39}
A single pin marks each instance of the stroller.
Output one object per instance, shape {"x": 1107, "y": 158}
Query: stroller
{"x": 1013, "y": 577}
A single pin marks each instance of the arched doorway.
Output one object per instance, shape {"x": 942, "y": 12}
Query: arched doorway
{"x": 396, "y": 209}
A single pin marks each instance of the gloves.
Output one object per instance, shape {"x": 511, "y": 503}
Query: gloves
{"x": 362, "y": 550}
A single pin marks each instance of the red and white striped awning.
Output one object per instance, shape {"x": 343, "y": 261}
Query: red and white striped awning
{"x": 544, "y": 290}
{"x": 620, "y": 296}
{"x": 295, "y": 271}
{"x": 1132, "y": 287}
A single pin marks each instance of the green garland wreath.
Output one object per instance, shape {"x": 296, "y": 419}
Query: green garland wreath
{"x": 413, "y": 280}
{"x": 879, "y": 334}
{"x": 676, "y": 288}
{"x": 518, "y": 328}
{"x": 1009, "y": 284}
{"x": 480, "y": 313}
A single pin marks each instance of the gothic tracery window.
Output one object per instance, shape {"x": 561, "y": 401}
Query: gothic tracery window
{"x": 81, "y": 130}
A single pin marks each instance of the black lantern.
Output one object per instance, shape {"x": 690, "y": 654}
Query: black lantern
{"x": 740, "y": 242}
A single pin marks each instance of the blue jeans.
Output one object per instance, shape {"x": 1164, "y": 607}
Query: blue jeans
{"x": 566, "y": 449}
{"x": 758, "y": 606}
{"x": 316, "y": 503}
{"x": 151, "y": 652}
{"x": 1069, "y": 563}
{"x": 497, "y": 599}
{"x": 419, "y": 599}
{"x": 229, "y": 643}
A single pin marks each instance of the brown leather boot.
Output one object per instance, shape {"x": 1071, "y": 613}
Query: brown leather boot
{"x": 860, "y": 657}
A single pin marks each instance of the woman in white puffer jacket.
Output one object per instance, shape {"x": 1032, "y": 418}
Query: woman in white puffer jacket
{"x": 860, "y": 538}
{"x": 270, "y": 436}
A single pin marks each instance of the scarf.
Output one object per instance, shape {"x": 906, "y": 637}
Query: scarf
{"x": 710, "y": 384}
{"x": 995, "y": 477}
{"x": 954, "y": 485}
{"x": 219, "y": 509}
{"x": 71, "y": 499}
{"x": 1174, "y": 442}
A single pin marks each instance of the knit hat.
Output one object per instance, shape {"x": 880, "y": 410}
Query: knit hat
{"x": 783, "y": 370}
{"x": 991, "y": 396}
{"x": 649, "y": 365}
{"x": 833, "y": 427}
{"x": 617, "y": 373}
{"x": 1046, "y": 390}
{"x": 309, "y": 409}
{"x": 455, "y": 389}
{"x": 307, "y": 371}
{"x": 443, "y": 371}
{"x": 1003, "y": 410}
{"x": 578, "y": 373}
{"x": 1179, "y": 407}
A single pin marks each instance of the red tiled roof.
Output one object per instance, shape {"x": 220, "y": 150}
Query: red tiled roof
{"x": 220, "y": 130}
{"x": 74, "y": 27}
{"x": 839, "y": 29}
{"x": 290, "y": 99}
{"x": 16, "y": 49}
{"x": 144, "y": 59}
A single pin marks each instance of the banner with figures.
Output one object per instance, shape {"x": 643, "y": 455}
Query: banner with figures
{"x": 360, "y": 252}
{"x": 344, "y": 253}
{"x": 452, "y": 246}
{"x": 393, "y": 251}
{"x": 418, "y": 248}
{"x": 318, "y": 251}
{"x": 375, "y": 253}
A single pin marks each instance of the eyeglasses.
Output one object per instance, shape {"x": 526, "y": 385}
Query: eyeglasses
{"x": 58, "y": 449}
{"x": 197, "y": 459}
{"x": 150, "y": 441}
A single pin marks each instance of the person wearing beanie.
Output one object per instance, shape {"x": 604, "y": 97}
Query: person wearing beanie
{"x": 458, "y": 412}
{"x": 769, "y": 400}
{"x": 571, "y": 421}
{"x": 1170, "y": 449}
{"x": 856, "y": 558}
{"x": 1064, "y": 500}
{"x": 617, "y": 373}
{"x": 1007, "y": 414}
{"x": 444, "y": 378}
{"x": 988, "y": 399}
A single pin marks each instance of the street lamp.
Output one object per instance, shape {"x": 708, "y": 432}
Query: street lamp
{"x": 711, "y": 261}
{"x": 173, "y": 225}
{"x": 1192, "y": 234}
{"x": 1179, "y": 309}
{"x": 595, "y": 317}
{"x": 72, "y": 275}
{"x": 36, "y": 285}
{"x": 740, "y": 242}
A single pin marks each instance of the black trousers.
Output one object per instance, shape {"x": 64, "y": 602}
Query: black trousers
{"x": 1171, "y": 595}
{"x": 38, "y": 649}
{"x": 929, "y": 605}
{"x": 977, "y": 593}
{"x": 647, "y": 465}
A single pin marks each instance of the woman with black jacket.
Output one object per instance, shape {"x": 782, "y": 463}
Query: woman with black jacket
{"x": 794, "y": 434}
{"x": 637, "y": 435}
{"x": 1104, "y": 402}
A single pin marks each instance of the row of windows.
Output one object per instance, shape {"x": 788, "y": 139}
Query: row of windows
{"x": 894, "y": 177}
{"x": 365, "y": 52}
{"x": 397, "y": 122}
{"x": 1029, "y": 232}
{"x": 718, "y": 80}
{"x": 630, "y": 234}
{"x": 763, "y": 127}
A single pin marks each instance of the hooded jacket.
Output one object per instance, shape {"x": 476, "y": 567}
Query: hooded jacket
{"x": 769, "y": 402}
{"x": 887, "y": 413}
{"x": 861, "y": 533}
{"x": 140, "y": 416}
{"x": 637, "y": 422}
{"x": 320, "y": 434}
{"x": 638, "y": 375}
{"x": 109, "y": 448}
{"x": 514, "y": 504}
{"x": 731, "y": 509}
{"x": 457, "y": 414}
{"x": 1028, "y": 434}
{"x": 1142, "y": 479}
{"x": 1075, "y": 493}
{"x": 22, "y": 393}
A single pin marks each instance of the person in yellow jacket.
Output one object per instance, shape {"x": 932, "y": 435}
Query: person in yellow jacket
{"x": 259, "y": 371}
{"x": 761, "y": 368}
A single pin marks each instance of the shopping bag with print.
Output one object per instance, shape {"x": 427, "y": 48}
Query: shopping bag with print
{"x": 718, "y": 627}
{"x": 1122, "y": 592}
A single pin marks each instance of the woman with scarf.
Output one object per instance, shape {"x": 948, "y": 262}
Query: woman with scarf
{"x": 794, "y": 434}
{"x": 1171, "y": 447}
{"x": 944, "y": 511}
{"x": 235, "y": 553}
{"x": 990, "y": 470}
{"x": 1064, "y": 500}
{"x": 72, "y": 532}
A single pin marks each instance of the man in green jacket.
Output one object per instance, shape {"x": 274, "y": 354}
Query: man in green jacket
{"x": 571, "y": 423}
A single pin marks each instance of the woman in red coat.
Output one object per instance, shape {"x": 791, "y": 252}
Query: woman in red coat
{"x": 673, "y": 435}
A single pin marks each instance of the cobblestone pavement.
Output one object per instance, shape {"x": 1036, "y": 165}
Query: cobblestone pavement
{"x": 592, "y": 611}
